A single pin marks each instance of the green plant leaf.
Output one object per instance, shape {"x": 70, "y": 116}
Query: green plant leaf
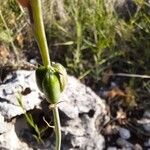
{"x": 5, "y": 36}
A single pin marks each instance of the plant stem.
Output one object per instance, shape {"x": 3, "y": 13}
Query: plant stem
{"x": 39, "y": 31}
{"x": 57, "y": 127}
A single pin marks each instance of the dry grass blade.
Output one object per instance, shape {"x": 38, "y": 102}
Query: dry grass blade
{"x": 129, "y": 75}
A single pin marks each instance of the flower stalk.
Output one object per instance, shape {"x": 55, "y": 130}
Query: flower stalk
{"x": 47, "y": 79}
{"x": 39, "y": 30}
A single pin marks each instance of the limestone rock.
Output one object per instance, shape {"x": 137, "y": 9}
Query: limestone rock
{"x": 18, "y": 82}
{"x": 80, "y": 109}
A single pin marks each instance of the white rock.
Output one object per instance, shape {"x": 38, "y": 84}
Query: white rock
{"x": 3, "y": 125}
{"x": 10, "y": 141}
{"x": 9, "y": 105}
{"x": 79, "y": 110}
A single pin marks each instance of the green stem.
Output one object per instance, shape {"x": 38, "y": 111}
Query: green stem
{"x": 57, "y": 127}
{"x": 39, "y": 31}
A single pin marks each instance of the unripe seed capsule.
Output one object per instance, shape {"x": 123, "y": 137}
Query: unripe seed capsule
{"x": 51, "y": 87}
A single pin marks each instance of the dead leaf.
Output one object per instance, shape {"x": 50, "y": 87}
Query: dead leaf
{"x": 115, "y": 92}
{"x": 4, "y": 54}
{"x": 121, "y": 116}
{"x": 130, "y": 97}
{"x": 110, "y": 129}
{"x": 20, "y": 39}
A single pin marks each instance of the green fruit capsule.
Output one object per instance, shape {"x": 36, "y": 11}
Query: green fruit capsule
{"x": 40, "y": 74}
{"x": 51, "y": 87}
{"x": 62, "y": 75}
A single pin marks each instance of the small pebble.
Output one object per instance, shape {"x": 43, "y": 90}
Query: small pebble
{"x": 147, "y": 143}
{"x": 124, "y": 133}
{"x": 147, "y": 114}
{"x": 147, "y": 127}
{"x": 113, "y": 85}
{"x": 146, "y": 121}
{"x": 137, "y": 147}
{"x": 111, "y": 148}
{"x": 33, "y": 61}
{"x": 123, "y": 143}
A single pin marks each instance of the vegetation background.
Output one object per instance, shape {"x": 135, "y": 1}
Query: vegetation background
{"x": 94, "y": 39}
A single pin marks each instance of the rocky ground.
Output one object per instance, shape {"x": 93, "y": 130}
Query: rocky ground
{"x": 81, "y": 111}
{"x": 87, "y": 121}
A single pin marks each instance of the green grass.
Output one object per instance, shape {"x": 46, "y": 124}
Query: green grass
{"x": 92, "y": 30}
{"x": 100, "y": 39}
{"x": 29, "y": 119}
{"x": 89, "y": 38}
{"x": 10, "y": 24}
